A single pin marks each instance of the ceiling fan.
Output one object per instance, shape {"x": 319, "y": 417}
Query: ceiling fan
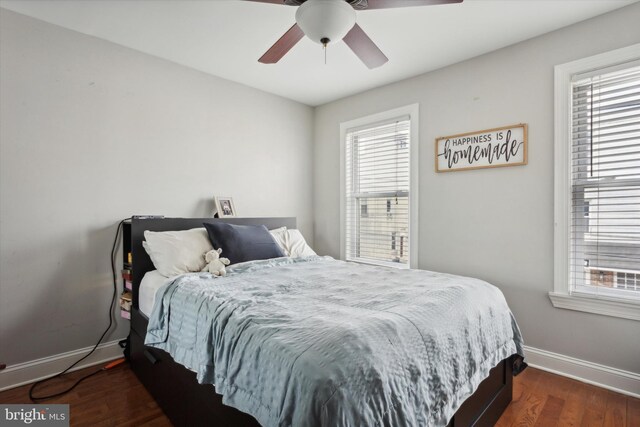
{"x": 329, "y": 21}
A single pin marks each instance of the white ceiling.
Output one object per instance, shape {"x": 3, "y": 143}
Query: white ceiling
{"x": 226, "y": 37}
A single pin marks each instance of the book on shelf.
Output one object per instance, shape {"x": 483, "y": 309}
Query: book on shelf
{"x": 125, "y": 301}
{"x": 147, "y": 217}
{"x": 128, "y": 285}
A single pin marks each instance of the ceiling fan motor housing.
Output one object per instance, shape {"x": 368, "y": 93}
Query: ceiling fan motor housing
{"x": 325, "y": 21}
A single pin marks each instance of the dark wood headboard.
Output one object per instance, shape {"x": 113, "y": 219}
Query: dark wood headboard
{"x": 142, "y": 263}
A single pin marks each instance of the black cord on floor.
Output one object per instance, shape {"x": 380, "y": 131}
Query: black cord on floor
{"x": 111, "y": 320}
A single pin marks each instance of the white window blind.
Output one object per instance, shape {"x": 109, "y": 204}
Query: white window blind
{"x": 605, "y": 182}
{"x": 377, "y": 192}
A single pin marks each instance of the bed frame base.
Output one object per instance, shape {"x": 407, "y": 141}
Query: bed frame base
{"x": 188, "y": 403}
{"x": 486, "y": 405}
{"x": 178, "y": 393}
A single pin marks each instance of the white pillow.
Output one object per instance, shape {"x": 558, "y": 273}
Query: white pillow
{"x": 280, "y": 236}
{"x": 292, "y": 242}
{"x": 177, "y": 252}
{"x": 297, "y": 246}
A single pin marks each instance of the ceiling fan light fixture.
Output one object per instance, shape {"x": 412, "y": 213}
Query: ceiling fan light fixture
{"x": 325, "y": 21}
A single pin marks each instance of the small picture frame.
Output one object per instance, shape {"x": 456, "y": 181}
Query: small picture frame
{"x": 225, "y": 207}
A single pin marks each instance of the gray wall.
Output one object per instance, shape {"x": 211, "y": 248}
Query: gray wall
{"x": 83, "y": 123}
{"x": 496, "y": 224}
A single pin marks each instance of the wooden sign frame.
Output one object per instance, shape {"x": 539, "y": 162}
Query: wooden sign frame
{"x": 481, "y": 147}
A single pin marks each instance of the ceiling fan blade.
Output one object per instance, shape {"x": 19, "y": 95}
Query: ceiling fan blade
{"x": 388, "y": 4}
{"x": 268, "y": 1}
{"x": 282, "y": 46}
{"x": 364, "y": 47}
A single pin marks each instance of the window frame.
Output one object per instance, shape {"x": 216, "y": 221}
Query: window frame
{"x": 561, "y": 296}
{"x": 413, "y": 112}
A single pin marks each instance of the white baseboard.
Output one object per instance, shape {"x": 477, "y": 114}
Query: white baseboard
{"x": 28, "y": 372}
{"x": 613, "y": 379}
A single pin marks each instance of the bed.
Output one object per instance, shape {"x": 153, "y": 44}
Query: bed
{"x": 186, "y": 401}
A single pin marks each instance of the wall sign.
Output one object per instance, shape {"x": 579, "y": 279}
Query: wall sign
{"x": 491, "y": 148}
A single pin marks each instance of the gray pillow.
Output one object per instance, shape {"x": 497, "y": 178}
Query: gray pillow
{"x": 242, "y": 243}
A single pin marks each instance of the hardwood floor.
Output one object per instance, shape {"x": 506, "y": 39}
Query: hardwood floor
{"x": 544, "y": 399}
{"x": 116, "y": 398}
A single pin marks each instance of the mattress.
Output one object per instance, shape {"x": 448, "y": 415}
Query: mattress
{"x": 320, "y": 342}
{"x": 151, "y": 282}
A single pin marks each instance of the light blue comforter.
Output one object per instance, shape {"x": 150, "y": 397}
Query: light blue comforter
{"x": 320, "y": 342}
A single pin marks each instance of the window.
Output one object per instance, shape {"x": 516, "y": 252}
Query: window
{"x": 598, "y": 184}
{"x": 630, "y": 281}
{"x": 378, "y": 188}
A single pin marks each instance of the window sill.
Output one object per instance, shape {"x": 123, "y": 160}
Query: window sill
{"x": 606, "y": 307}
{"x": 389, "y": 264}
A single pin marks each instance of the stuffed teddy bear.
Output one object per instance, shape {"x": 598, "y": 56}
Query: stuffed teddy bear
{"x": 215, "y": 264}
